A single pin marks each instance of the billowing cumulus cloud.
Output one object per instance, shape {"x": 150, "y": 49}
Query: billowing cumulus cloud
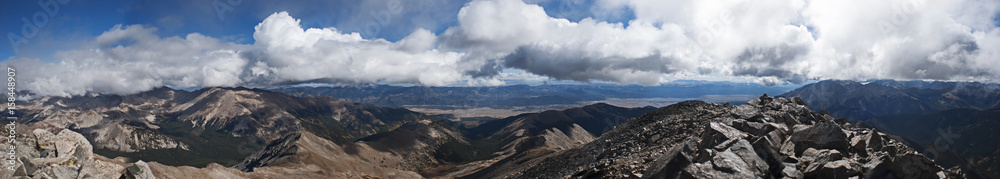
{"x": 524, "y": 37}
{"x": 293, "y": 54}
{"x": 130, "y": 59}
{"x": 777, "y": 41}
{"x": 767, "y": 41}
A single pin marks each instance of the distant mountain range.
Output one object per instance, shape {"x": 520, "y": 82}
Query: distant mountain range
{"x": 956, "y": 122}
{"x": 523, "y": 95}
{"x": 868, "y": 100}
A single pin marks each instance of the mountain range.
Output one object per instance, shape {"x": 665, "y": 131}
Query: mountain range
{"x": 253, "y": 133}
{"x": 248, "y": 132}
{"x": 523, "y": 95}
{"x": 220, "y": 125}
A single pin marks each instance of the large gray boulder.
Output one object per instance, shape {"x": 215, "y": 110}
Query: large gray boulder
{"x": 824, "y": 135}
{"x": 66, "y": 154}
{"x": 140, "y": 170}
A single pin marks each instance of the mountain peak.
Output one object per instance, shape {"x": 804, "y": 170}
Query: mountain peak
{"x": 770, "y": 138}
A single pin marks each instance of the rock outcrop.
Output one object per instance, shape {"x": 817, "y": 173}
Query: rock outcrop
{"x": 765, "y": 138}
{"x": 953, "y": 123}
{"x": 66, "y": 154}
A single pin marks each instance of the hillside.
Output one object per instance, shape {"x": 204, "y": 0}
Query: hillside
{"x": 770, "y": 137}
{"x": 954, "y": 122}
{"x": 212, "y": 125}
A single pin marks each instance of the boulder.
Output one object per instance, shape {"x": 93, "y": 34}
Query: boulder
{"x": 671, "y": 164}
{"x": 69, "y": 143}
{"x": 754, "y": 128}
{"x": 755, "y": 164}
{"x": 867, "y": 140}
{"x": 725, "y": 164}
{"x": 814, "y": 159}
{"x": 799, "y": 101}
{"x": 139, "y": 170}
{"x": 101, "y": 169}
{"x": 840, "y": 169}
{"x": 789, "y": 170}
{"x": 57, "y": 172}
{"x": 718, "y": 135}
{"x": 824, "y": 135}
{"x": 914, "y": 165}
{"x": 44, "y": 139}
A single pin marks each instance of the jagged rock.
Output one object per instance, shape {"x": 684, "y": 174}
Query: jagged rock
{"x": 788, "y": 120}
{"x": 72, "y": 144}
{"x": 913, "y": 165}
{"x": 26, "y": 167}
{"x": 765, "y": 138}
{"x": 765, "y": 99}
{"x": 725, "y": 164}
{"x": 790, "y": 171}
{"x": 755, "y": 128}
{"x": 768, "y": 153}
{"x": 799, "y": 101}
{"x": 64, "y": 155}
{"x": 825, "y": 135}
{"x": 879, "y": 167}
{"x": 755, "y": 165}
{"x": 140, "y": 170}
{"x": 869, "y": 140}
{"x": 45, "y": 139}
{"x": 57, "y": 172}
{"x": 100, "y": 169}
{"x": 671, "y": 165}
{"x": 813, "y": 160}
{"x": 840, "y": 169}
{"x": 720, "y": 135}
{"x": 279, "y": 150}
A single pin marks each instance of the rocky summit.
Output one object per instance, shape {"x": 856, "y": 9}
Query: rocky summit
{"x": 765, "y": 138}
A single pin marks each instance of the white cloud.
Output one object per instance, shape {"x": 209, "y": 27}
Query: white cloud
{"x": 777, "y": 41}
{"x": 524, "y": 37}
{"x": 767, "y": 41}
{"x": 131, "y": 59}
{"x": 294, "y": 54}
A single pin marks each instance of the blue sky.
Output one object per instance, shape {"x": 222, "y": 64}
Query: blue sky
{"x": 80, "y": 20}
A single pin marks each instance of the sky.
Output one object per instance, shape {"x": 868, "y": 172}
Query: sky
{"x": 74, "y": 47}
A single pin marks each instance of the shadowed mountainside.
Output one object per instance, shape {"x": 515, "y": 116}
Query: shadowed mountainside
{"x": 954, "y": 122}
{"x": 770, "y": 137}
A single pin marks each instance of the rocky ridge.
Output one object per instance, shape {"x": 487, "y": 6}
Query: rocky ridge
{"x": 765, "y": 138}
